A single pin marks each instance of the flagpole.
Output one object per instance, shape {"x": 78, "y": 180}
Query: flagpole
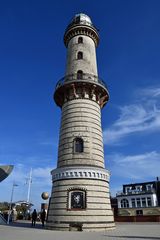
{"x": 29, "y": 186}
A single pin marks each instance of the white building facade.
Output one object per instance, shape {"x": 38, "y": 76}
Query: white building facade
{"x": 138, "y": 199}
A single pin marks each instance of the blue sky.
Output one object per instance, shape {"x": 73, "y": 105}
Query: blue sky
{"x": 32, "y": 60}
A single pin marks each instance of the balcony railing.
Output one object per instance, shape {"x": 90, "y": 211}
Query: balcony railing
{"x": 82, "y": 77}
{"x": 134, "y": 192}
{"x": 82, "y": 22}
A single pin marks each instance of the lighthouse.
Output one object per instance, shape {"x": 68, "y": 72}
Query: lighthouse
{"x": 80, "y": 196}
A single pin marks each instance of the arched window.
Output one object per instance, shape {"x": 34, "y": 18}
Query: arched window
{"x": 80, "y": 55}
{"x": 78, "y": 145}
{"x": 124, "y": 203}
{"x": 80, "y": 40}
{"x": 79, "y": 74}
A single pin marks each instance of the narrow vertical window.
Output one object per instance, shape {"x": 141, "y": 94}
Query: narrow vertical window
{"x": 79, "y": 74}
{"x": 80, "y": 55}
{"x": 78, "y": 145}
{"x": 80, "y": 40}
{"x": 149, "y": 202}
{"x": 138, "y": 202}
{"x": 133, "y": 202}
{"x": 143, "y": 202}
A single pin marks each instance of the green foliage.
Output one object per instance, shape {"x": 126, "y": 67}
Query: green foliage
{"x": 4, "y": 206}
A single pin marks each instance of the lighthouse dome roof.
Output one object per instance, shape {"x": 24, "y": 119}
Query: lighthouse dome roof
{"x": 81, "y": 18}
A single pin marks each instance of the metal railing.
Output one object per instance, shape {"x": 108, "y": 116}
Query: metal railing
{"x": 134, "y": 192}
{"x": 81, "y": 22}
{"x": 80, "y": 77}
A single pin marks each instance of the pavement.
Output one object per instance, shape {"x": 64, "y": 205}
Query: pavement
{"x": 22, "y": 230}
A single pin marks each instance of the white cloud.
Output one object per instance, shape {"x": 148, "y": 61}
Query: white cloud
{"x": 153, "y": 92}
{"x": 42, "y": 172}
{"x": 141, "y": 167}
{"x": 42, "y": 176}
{"x": 133, "y": 169}
{"x": 141, "y": 116}
{"x": 41, "y": 181}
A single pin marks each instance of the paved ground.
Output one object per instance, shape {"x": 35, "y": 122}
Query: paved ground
{"x": 24, "y": 231}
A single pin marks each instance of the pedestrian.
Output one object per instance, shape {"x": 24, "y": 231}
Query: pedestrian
{"x": 34, "y": 217}
{"x": 43, "y": 217}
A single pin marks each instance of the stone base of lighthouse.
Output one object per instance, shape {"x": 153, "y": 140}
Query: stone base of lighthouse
{"x": 80, "y": 200}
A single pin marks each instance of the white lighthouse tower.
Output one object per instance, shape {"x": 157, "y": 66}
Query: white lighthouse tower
{"x": 80, "y": 197}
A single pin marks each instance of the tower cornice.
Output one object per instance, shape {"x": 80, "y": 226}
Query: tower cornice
{"x": 80, "y": 29}
{"x": 80, "y": 172}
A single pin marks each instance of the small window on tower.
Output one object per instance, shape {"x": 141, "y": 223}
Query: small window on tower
{"x": 79, "y": 74}
{"x": 80, "y": 55}
{"x": 80, "y": 40}
{"x": 78, "y": 145}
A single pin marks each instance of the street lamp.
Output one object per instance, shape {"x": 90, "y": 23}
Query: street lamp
{"x": 10, "y": 205}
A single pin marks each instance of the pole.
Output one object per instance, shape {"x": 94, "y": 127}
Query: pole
{"x": 29, "y": 186}
{"x": 10, "y": 205}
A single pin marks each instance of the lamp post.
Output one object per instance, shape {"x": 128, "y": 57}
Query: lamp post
{"x": 10, "y": 205}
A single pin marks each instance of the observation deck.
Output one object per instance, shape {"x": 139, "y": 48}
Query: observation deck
{"x": 86, "y": 84}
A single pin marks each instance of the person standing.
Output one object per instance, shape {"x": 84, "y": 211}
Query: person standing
{"x": 34, "y": 217}
{"x": 43, "y": 217}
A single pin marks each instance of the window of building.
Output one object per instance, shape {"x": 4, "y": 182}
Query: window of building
{"x": 149, "y": 202}
{"x": 124, "y": 203}
{"x": 128, "y": 189}
{"x": 77, "y": 19}
{"x": 143, "y": 202}
{"x": 76, "y": 199}
{"x": 133, "y": 202}
{"x": 78, "y": 145}
{"x": 138, "y": 201}
{"x": 80, "y": 55}
{"x": 149, "y": 187}
{"x": 139, "y": 212}
{"x": 80, "y": 40}
{"x": 80, "y": 74}
{"x": 138, "y": 188}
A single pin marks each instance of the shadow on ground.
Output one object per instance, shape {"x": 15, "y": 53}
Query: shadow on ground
{"x": 26, "y": 224}
{"x": 133, "y": 237}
